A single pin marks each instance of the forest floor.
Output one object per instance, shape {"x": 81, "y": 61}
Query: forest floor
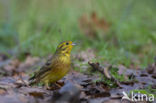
{"x": 101, "y": 84}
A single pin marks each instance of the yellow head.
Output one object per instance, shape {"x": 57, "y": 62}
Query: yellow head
{"x": 65, "y": 47}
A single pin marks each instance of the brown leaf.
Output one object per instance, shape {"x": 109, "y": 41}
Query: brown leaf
{"x": 86, "y": 27}
{"x": 100, "y": 23}
{"x": 2, "y": 91}
{"x": 37, "y": 94}
{"x": 92, "y": 24}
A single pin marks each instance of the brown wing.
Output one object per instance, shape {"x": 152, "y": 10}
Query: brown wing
{"x": 45, "y": 68}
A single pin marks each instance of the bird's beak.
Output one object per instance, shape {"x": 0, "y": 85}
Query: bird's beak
{"x": 73, "y": 44}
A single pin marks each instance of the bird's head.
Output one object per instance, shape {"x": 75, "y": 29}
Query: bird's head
{"x": 65, "y": 47}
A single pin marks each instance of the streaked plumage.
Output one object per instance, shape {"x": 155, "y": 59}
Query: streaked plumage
{"x": 55, "y": 68}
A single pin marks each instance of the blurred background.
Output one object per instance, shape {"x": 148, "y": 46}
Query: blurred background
{"x": 118, "y": 31}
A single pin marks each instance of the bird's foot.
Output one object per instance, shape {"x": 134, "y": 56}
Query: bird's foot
{"x": 59, "y": 84}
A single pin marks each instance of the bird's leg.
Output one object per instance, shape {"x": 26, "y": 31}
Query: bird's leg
{"x": 47, "y": 85}
{"x": 59, "y": 85}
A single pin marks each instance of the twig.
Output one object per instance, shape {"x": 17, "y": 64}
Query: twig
{"x": 104, "y": 71}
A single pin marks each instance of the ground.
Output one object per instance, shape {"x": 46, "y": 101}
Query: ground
{"x": 106, "y": 85}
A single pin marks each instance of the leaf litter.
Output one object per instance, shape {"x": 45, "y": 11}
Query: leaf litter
{"x": 76, "y": 87}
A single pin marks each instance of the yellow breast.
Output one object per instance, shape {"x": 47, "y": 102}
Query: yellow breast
{"x": 60, "y": 70}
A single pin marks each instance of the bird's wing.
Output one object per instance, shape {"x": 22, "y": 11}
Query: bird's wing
{"x": 45, "y": 68}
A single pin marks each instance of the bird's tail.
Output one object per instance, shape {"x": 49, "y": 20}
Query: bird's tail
{"x": 32, "y": 81}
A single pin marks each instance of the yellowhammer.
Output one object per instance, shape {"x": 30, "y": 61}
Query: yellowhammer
{"x": 55, "y": 68}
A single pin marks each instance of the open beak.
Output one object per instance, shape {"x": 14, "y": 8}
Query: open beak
{"x": 73, "y": 44}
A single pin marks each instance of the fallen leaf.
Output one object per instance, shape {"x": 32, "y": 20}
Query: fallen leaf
{"x": 2, "y": 91}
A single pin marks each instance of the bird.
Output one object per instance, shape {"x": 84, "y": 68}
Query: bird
{"x": 55, "y": 68}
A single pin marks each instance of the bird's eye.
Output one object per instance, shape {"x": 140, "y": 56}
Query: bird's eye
{"x": 67, "y": 43}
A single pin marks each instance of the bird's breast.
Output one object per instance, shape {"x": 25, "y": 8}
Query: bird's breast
{"x": 65, "y": 60}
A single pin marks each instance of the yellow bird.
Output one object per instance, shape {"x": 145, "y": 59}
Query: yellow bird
{"x": 55, "y": 68}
